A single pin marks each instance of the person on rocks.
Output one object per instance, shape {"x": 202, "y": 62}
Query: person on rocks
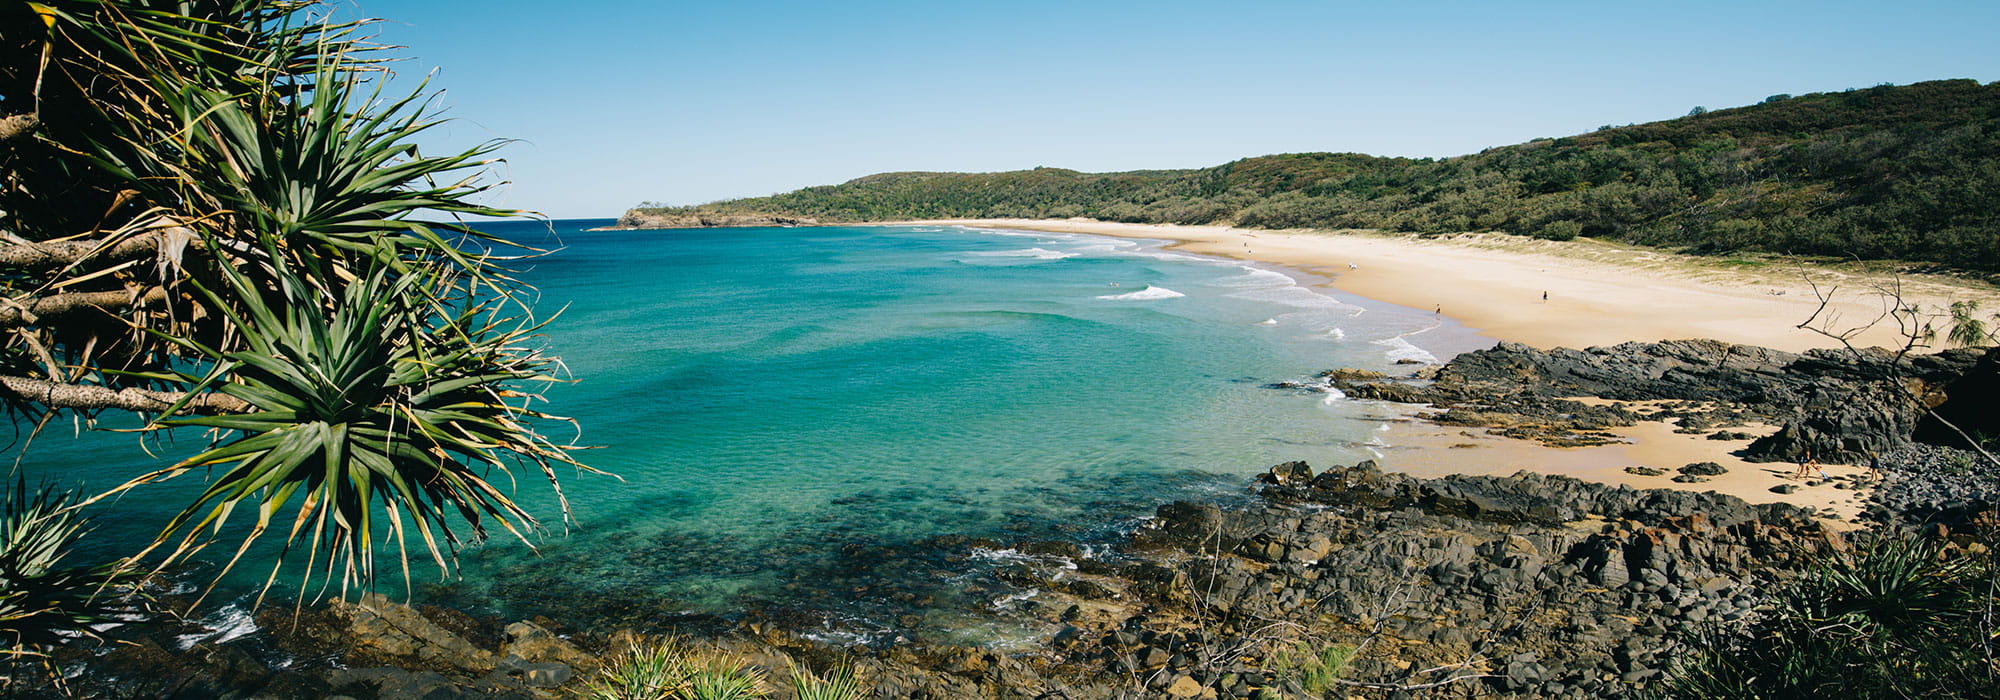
{"x": 1874, "y": 464}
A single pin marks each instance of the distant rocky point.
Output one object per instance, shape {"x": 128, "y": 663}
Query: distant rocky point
{"x": 637, "y": 219}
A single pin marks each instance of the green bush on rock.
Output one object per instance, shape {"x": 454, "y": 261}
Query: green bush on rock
{"x": 1901, "y": 618}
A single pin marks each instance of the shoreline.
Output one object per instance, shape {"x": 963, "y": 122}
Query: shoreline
{"x": 1598, "y": 295}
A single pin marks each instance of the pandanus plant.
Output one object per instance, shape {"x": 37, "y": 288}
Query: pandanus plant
{"x": 396, "y": 395}
{"x": 43, "y": 601}
{"x": 217, "y": 216}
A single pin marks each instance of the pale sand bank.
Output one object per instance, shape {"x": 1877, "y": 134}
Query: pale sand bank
{"x": 1597, "y": 294}
{"x": 1425, "y": 449}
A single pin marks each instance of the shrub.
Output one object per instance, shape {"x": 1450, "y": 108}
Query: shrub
{"x": 839, "y": 683}
{"x": 42, "y": 602}
{"x": 644, "y": 672}
{"x": 1315, "y": 668}
{"x": 669, "y": 670}
{"x": 722, "y": 677}
{"x": 1560, "y": 231}
{"x": 1899, "y": 619}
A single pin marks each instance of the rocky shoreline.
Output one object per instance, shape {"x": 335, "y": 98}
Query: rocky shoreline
{"x": 1464, "y": 586}
{"x": 635, "y": 219}
{"x": 1532, "y": 585}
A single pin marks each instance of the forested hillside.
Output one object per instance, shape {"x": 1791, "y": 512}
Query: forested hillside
{"x": 1897, "y": 172}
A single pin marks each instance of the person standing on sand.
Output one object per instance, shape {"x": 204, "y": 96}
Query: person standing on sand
{"x": 1545, "y": 296}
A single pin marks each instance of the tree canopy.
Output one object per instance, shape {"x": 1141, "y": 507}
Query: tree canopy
{"x": 1889, "y": 172}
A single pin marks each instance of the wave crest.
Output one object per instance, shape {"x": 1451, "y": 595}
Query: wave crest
{"x": 1036, "y": 253}
{"x": 1145, "y": 294}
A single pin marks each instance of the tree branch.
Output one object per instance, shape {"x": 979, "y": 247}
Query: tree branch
{"x": 1916, "y": 334}
{"x": 90, "y": 397}
{"x": 54, "y": 254}
{"x": 17, "y": 126}
{"x": 32, "y": 311}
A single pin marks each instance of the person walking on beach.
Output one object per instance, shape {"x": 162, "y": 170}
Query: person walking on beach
{"x": 1545, "y": 296}
{"x": 1874, "y": 465}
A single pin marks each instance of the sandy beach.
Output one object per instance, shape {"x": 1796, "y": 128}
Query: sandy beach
{"x": 1596, "y": 294}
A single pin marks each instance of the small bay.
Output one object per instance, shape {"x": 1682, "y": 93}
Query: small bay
{"x": 791, "y": 411}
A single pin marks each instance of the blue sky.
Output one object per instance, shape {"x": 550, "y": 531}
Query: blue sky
{"x": 619, "y": 102}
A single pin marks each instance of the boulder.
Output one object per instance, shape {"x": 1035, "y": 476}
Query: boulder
{"x": 1704, "y": 469}
{"x": 392, "y": 631}
{"x": 533, "y": 643}
{"x": 1288, "y": 474}
{"x": 1968, "y": 404}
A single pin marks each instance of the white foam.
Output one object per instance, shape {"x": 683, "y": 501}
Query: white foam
{"x": 1177, "y": 257}
{"x": 1294, "y": 296}
{"x": 1036, "y": 253}
{"x": 1256, "y": 277}
{"x": 1268, "y": 322}
{"x": 1013, "y": 599}
{"x": 1096, "y": 250}
{"x": 1051, "y": 237}
{"x": 1333, "y": 396}
{"x": 1014, "y": 556}
{"x": 840, "y": 638}
{"x": 1400, "y": 349}
{"x": 1336, "y": 332}
{"x": 226, "y": 623}
{"x": 1149, "y": 293}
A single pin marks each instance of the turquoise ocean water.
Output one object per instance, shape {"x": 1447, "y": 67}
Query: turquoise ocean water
{"x": 794, "y": 411}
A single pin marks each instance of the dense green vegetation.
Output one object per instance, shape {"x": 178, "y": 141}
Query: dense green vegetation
{"x": 1909, "y": 173}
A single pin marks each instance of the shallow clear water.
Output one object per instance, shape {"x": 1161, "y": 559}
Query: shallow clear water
{"x": 791, "y": 409}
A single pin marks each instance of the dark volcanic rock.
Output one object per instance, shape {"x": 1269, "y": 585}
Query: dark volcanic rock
{"x": 1972, "y": 404}
{"x": 635, "y": 219}
{"x": 1928, "y": 485}
{"x": 1573, "y": 589}
{"x": 1704, "y": 469}
{"x": 1837, "y": 406}
{"x": 1697, "y": 370}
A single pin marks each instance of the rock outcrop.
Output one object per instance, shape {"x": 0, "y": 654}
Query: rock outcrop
{"x": 1838, "y": 406}
{"x": 636, "y": 219}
